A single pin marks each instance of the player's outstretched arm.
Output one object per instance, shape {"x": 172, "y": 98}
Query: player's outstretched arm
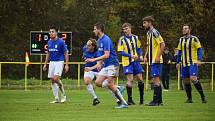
{"x": 46, "y": 61}
{"x": 101, "y": 58}
{"x": 66, "y": 61}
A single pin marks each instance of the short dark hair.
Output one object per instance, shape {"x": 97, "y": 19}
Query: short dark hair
{"x": 186, "y": 24}
{"x": 94, "y": 43}
{"x": 126, "y": 25}
{"x": 55, "y": 28}
{"x": 149, "y": 19}
{"x": 100, "y": 26}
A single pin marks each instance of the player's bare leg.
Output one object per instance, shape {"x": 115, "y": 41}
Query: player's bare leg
{"x": 141, "y": 87}
{"x": 129, "y": 85}
{"x": 88, "y": 83}
{"x": 198, "y": 87}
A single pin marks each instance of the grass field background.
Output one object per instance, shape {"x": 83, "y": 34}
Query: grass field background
{"x": 33, "y": 105}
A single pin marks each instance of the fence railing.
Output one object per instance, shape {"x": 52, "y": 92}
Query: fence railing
{"x": 79, "y": 73}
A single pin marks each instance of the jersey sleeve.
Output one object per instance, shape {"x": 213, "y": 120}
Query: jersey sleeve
{"x": 197, "y": 43}
{"x": 158, "y": 37}
{"x": 138, "y": 42}
{"x": 64, "y": 46}
{"x": 120, "y": 45}
{"x": 179, "y": 45}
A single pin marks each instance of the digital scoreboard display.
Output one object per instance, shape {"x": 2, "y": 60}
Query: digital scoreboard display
{"x": 39, "y": 40}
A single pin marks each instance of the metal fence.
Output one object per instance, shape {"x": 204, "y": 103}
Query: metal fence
{"x": 79, "y": 73}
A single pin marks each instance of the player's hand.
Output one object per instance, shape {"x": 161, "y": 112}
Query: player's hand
{"x": 45, "y": 67}
{"x": 177, "y": 66}
{"x": 87, "y": 69}
{"x": 145, "y": 59}
{"x": 89, "y": 60}
{"x": 141, "y": 58}
{"x": 135, "y": 57}
{"x": 66, "y": 68}
{"x": 157, "y": 59}
{"x": 198, "y": 62}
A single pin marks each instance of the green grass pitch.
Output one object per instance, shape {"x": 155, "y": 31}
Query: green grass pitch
{"x": 33, "y": 105}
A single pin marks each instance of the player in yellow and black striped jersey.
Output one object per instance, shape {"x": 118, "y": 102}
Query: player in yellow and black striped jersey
{"x": 155, "y": 48}
{"x": 190, "y": 55}
{"x": 129, "y": 48}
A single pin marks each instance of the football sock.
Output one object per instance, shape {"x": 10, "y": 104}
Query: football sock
{"x": 141, "y": 90}
{"x": 188, "y": 90}
{"x": 119, "y": 96}
{"x": 91, "y": 90}
{"x": 55, "y": 90}
{"x": 129, "y": 92}
{"x": 199, "y": 88}
{"x": 61, "y": 87}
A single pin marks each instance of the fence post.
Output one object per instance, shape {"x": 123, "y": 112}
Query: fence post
{"x": 179, "y": 77}
{"x": 41, "y": 69}
{"x": 0, "y": 75}
{"x": 79, "y": 74}
{"x": 212, "y": 78}
{"x": 147, "y": 76}
{"x": 26, "y": 69}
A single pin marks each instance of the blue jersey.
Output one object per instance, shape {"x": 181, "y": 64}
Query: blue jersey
{"x": 56, "y": 49}
{"x": 87, "y": 54}
{"x": 105, "y": 44}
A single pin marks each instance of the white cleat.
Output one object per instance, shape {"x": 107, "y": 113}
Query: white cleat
{"x": 55, "y": 101}
{"x": 63, "y": 99}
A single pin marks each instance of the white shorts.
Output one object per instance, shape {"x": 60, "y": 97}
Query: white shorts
{"x": 55, "y": 68}
{"x": 110, "y": 71}
{"x": 91, "y": 74}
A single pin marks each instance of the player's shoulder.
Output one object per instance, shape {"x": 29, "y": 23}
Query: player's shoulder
{"x": 155, "y": 32}
{"x": 84, "y": 48}
{"x": 196, "y": 39}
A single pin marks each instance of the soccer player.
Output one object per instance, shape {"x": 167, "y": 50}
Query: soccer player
{"x": 129, "y": 48}
{"x": 155, "y": 50}
{"x": 190, "y": 55}
{"x": 57, "y": 51}
{"x": 110, "y": 70}
{"x": 90, "y": 50}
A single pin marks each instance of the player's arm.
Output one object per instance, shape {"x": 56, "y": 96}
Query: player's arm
{"x": 66, "y": 54}
{"x": 178, "y": 59}
{"x": 46, "y": 61}
{"x": 161, "y": 42}
{"x": 139, "y": 49}
{"x": 97, "y": 66}
{"x": 162, "y": 46}
{"x": 145, "y": 56}
{"x": 199, "y": 50}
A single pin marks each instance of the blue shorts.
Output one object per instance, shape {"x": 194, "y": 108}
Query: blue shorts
{"x": 188, "y": 71}
{"x": 155, "y": 70}
{"x": 133, "y": 68}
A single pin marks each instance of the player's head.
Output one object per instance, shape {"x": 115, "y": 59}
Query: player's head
{"x": 126, "y": 28}
{"x": 92, "y": 45}
{"x": 186, "y": 29}
{"x": 147, "y": 22}
{"x": 53, "y": 32}
{"x": 98, "y": 28}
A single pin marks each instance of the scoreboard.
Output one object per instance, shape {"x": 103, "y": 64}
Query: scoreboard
{"x": 39, "y": 40}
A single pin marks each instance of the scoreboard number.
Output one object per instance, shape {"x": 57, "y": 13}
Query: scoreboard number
{"x": 39, "y": 40}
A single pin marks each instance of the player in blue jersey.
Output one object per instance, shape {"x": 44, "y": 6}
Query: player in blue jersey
{"x": 91, "y": 70}
{"x": 90, "y": 50}
{"x": 57, "y": 52}
{"x": 110, "y": 70}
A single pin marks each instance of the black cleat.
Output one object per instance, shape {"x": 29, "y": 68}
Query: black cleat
{"x": 131, "y": 102}
{"x": 118, "y": 103}
{"x": 95, "y": 102}
{"x": 154, "y": 103}
{"x": 204, "y": 100}
{"x": 188, "y": 101}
